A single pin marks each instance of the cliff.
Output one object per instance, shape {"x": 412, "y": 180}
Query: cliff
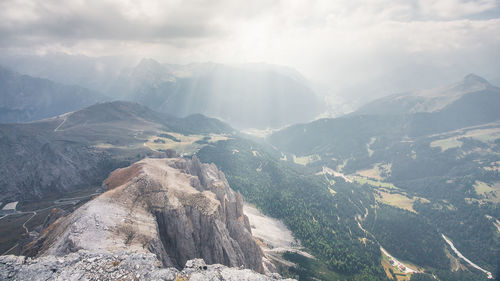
{"x": 177, "y": 209}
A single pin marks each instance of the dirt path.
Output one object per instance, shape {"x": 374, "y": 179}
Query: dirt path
{"x": 24, "y": 224}
{"x": 13, "y": 247}
{"x": 73, "y": 200}
{"x": 65, "y": 116}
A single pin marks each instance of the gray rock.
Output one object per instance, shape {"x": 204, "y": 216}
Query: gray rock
{"x": 125, "y": 266}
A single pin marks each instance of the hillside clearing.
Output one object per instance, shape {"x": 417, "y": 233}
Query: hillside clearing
{"x": 182, "y": 144}
{"x": 487, "y": 192}
{"x": 446, "y": 144}
{"x": 483, "y": 135}
{"x": 397, "y": 200}
{"x": 304, "y": 160}
{"x": 378, "y": 172}
{"x": 363, "y": 180}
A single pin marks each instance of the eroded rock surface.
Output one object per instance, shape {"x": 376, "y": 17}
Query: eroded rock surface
{"x": 177, "y": 209}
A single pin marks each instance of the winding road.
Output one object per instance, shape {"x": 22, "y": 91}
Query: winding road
{"x": 58, "y": 202}
{"x": 490, "y": 276}
{"x": 65, "y": 116}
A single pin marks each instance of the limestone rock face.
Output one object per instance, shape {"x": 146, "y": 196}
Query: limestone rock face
{"x": 124, "y": 266}
{"x": 176, "y": 208}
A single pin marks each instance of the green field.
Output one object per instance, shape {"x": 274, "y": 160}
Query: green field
{"x": 182, "y": 144}
{"x": 377, "y": 172}
{"x": 363, "y": 180}
{"x": 487, "y": 192}
{"x": 482, "y": 188}
{"x": 304, "y": 160}
{"x": 483, "y": 135}
{"x": 446, "y": 144}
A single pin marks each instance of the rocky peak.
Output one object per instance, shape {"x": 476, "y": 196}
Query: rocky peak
{"x": 473, "y": 79}
{"x": 149, "y": 70}
{"x": 178, "y": 209}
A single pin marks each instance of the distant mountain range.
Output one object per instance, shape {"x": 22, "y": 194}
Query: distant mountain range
{"x": 25, "y": 98}
{"x": 431, "y": 100}
{"x": 244, "y": 95}
{"x": 470, "y": 102}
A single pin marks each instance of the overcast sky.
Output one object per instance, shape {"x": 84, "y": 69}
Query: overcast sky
{"x": 352, "y": 46}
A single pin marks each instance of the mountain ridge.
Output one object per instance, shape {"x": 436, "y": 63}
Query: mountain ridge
{"x": 429, "y": 100}
{"x": 91, "y": 142}
{"x": 245, "y": 96}
{"x": 24, "y": 98}
{"x": 234, "y": 93}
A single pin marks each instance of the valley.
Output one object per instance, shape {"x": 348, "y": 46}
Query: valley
{"x": 238, "y": 140}
{"x": 442, "y": 179}
{"x": 355, "y": 200}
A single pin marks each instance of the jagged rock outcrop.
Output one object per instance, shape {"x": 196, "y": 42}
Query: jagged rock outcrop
{"x": 83, "y": 265}
{"x": 176, "y": 208}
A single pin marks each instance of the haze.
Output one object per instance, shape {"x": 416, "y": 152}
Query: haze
{"x": 350, "y": 48}
{"x": 250, "y": 140}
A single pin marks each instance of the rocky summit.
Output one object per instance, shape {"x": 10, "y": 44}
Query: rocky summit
{"x": 156, "y": 213}
{"x": 123, "y": 266}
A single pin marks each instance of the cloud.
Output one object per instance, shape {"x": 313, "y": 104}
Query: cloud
{"x": 106, "y": 20}
{"x": 347, "y": 44}
{"x": 455, "y": 8}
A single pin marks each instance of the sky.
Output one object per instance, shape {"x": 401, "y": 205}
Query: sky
{"x": 349, "y": 47}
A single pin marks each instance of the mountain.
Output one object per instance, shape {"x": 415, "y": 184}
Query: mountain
{"x": 471, "y": 102}
{"x": 96, "y": 73}
{"x": 357, "y": 192}
{"x": 246, "y": 96}
{"x": 80, "y": 148}
{"x": 471, "y": 87}
{"x": 150, "y": 206}
{"x": 431, "y": 160}
{"x": 61, "y": 162}
{"x": 25, "y": 98}
{"x": 176, "y": 212}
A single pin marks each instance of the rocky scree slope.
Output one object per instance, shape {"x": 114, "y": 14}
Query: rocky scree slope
{"x": 178, "y": 209}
